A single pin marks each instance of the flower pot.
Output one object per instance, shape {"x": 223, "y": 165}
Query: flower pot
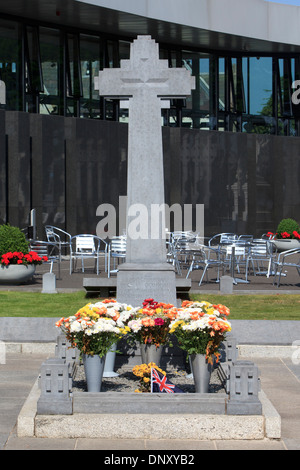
{"x": 16, "y": 273}
{"x": 285, "y": 244}
{"x": 110, "y": 362}
{"x": 150, "y": 353}
{"x": 201, "y": 372}
{"x": 93, "y": 368}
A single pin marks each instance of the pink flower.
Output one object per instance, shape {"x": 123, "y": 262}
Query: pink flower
{"x": 159, "y": 321}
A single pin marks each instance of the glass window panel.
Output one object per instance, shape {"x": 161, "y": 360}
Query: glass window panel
{"x": 197, "y": 104}
{"x": 74, "y": 71}
{"x": 50, "y": 60}
{"x": 260, "y": 83}
{"x": 10, "y": 63}
{"x": 90, "y": 66}
{"x": 33, "y": 60}
{"x": 245, "y": 66}
{"x": 124, "y": 50}
{"x": 112, "y": 59}
{"x": 222, "y": 84}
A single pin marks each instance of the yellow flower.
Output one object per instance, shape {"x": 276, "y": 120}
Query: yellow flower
{"x": 146, "y": 379}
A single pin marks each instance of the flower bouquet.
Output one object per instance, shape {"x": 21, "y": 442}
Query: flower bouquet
{"x": 143, "y": 372}
{"x": 96, "y": 327}
{"x": 150, "y": 323}
{"x": 150, "y": 327}
{"x": 200, "y": 327}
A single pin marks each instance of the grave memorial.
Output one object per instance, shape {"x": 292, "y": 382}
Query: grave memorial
{"x": 146, "y": 83}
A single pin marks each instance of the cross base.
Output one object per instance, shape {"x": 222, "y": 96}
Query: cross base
{"x": 137, "y": 282}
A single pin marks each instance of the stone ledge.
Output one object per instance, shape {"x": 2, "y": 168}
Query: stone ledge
{"x": 143, "y": 403}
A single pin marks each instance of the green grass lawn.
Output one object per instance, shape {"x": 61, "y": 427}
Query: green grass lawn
{"x": 28, "y": 304}
{"x": 257, "y": 307}
{"x": 247, "y": 307}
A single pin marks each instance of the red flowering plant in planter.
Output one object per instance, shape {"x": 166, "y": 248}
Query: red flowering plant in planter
{"x": 288, "y": 229}
{"x": 14, "y": 248}
{"x": 17, "y": 257}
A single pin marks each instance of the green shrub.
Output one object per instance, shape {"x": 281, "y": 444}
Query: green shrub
{"x": 12, "y": 239}
{"x": 287, "y": 226}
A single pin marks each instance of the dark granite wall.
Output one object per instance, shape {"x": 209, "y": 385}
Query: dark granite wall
{"x": 66, "y": 167}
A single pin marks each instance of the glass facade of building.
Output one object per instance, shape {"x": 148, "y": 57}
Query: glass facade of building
{"x": 50, "y": 70}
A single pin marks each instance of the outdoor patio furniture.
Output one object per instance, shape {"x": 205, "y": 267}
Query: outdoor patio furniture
{"x": 261, "y": 258}
{"x": 116, "y": 251}
{"x": 284, "y": 261}
{"x": 180, "y": 248}
{"x": 87, "y": 246}
{"x": 222, "y": 239}
{"x": 205, "y": 258}
{"x": 58, "y": 236}
{"x": 51, "y": 250}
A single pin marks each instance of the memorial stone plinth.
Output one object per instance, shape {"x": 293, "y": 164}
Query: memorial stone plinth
{"x": 147, "y": 83}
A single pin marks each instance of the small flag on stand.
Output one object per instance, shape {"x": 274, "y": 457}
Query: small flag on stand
{"x": 160, "y": 383}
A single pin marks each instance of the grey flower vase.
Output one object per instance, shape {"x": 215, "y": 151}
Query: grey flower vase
{"x": 150, "y": 353}
{"x": 201, "y": 372}
{"x": 93, "y": 368}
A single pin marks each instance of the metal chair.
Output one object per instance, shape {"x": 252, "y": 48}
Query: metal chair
{"x": 180, "y": 249}
{"x": 204, "y": 258}
{"x": 87, "y": 246}
{"x": 116, "y": 251}
{"x": 58, "y": 236}
{"x": 245, "y": 238}
{"x": 43, "y": 248}
{"x": 222, "y": 239}
{"x": 283, "y": 261}
{"x": 261, "y": 258}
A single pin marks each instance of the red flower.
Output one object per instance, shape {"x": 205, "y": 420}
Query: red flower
{"x": 159, "y": 321}
{"x": 296, "y": 234}
{"x": 285, "y": 235}
{"x": 20, "y": 258}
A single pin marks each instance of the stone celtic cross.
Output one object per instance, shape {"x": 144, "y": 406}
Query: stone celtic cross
{"x": 147, "y": 83}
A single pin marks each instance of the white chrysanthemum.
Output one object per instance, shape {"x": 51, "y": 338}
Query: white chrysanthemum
{"x": 184, "y": 315}
{"x": 135, "y": 325}
{"x": 75, "y": 326}
{"x": 89, "y": 331}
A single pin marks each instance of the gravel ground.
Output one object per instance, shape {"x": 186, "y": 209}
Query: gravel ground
{"x": 128, "y": 382}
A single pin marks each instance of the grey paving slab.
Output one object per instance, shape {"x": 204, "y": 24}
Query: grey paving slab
{"x": 263, "y": 444}
{"x": 32, "y": 443}
{"x": 110, "y": 444}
